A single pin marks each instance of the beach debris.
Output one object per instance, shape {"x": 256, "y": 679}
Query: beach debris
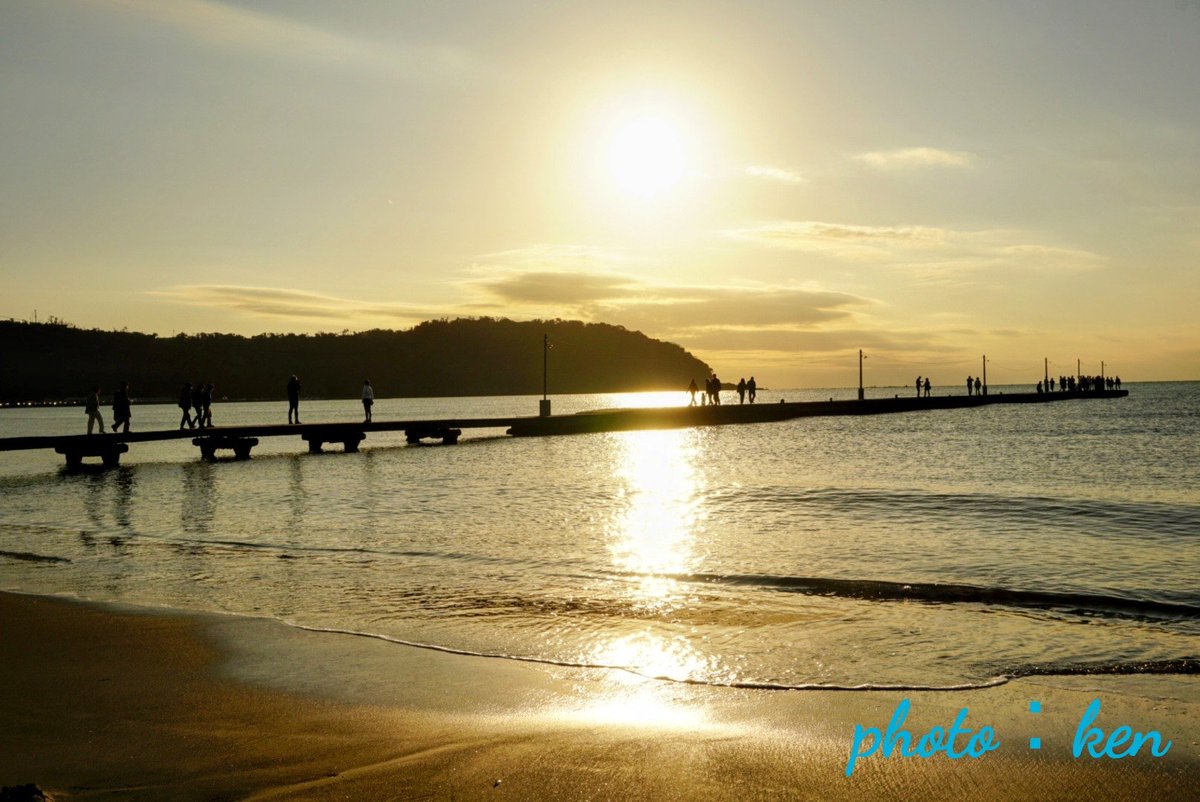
{"x": 24, "y": 793}
{"x": 496, "y": 784}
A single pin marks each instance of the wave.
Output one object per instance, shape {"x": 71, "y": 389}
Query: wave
{"x": 1183, "y": 665}
{"x": 1141, "y": 518}
{"x": 715, "y": 683}
{"x": 939, "y": 593}
{"x": 1179, "y": 665}
{"x": 33, "y": 558}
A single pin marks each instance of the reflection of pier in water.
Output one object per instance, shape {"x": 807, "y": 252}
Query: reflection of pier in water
{"x": 240, "y": 439}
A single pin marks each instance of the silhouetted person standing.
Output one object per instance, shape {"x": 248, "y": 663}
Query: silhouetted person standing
{"x": 752, "y": 389}
{"x": 918, "y": 383}
{"x": 293, "y": 393}
{"x": 185, "y": 403}
{"x": 970, "y": 384}
{"x": 927, "y": 386}
{"x": 92, "y": 408}
{"x": 368, "y": 400}
{"x": 692, "y": 390}
{"x": 978, "y": 386}
{"x": 741, "y": 388}
{"x": 120, "y": 407}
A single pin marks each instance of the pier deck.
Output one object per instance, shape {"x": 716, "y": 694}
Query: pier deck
{"x": 241, "y": 439}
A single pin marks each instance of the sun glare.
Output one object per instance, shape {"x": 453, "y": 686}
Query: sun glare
{"x": 647, "y": 156}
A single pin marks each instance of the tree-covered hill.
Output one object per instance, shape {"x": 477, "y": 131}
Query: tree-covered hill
{"x": 476, "y": 356}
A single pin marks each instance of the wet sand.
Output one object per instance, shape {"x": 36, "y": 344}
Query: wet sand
{"x": 104, "y": 702}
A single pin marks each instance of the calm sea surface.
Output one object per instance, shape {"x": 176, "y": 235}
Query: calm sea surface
{"x": 935, "y": 549}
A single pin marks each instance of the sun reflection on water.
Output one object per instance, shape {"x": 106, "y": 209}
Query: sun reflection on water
{"x": 636, "y": 697}
{"x": 653, "y": 533}
{"x": 652, "y": 537}
{"x": 643, "y": 400}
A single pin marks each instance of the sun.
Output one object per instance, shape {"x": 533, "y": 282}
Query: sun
{"x": 646, "y": 155}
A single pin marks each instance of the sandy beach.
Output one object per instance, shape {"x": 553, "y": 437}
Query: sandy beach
{"x": 102, "y": 702}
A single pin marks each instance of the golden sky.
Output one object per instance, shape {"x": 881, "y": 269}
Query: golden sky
{"x": 772, "y": 185}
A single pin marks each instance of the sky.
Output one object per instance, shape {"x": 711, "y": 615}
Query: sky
{"x": 772, "y": 185}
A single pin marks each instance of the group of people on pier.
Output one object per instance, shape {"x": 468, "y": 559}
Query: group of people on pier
{"x": 195, "y": 405}
{"x": 120, "y": 407}
{"x": 1082, "y": 384}
{"x": 712, "y": 391}
{"x": 196, "y": 397}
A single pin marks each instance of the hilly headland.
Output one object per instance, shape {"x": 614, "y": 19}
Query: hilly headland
{"x": 467, "y": 356}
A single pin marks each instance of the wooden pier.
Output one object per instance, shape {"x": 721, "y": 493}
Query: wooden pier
{"x": 241, "y": 439}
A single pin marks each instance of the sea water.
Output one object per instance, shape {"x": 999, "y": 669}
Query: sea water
{"x": 934, "y": 549}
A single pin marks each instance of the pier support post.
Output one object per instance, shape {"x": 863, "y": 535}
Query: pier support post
{"x": 239, "y": 445}
{"x": 447, "y": 435}
{"x": 108, "y": 452}
{"x": 348, "y": 437}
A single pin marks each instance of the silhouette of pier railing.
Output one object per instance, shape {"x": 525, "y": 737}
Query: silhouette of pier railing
{"x": 241, "y": 439}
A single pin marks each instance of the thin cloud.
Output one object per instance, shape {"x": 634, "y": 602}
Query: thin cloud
{"x": 616, "y": 297}
{"x": 813, "y": 341}
{"x": 294, "y": 304}
{"x": 229, "y": 26}
{"x": 849, "y": 241}
{"x": 774, "y": 174}
{"x": 908, "y": 158}
{"x": 680, "y": 308}
{"x": 569, "y": 289}
{"x": 595, "y": 284}
{"x": 552, "y": 256}
{"x": 925, "y": 251}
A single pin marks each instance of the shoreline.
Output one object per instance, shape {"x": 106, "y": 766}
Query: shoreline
{"x": 104, "y": 701}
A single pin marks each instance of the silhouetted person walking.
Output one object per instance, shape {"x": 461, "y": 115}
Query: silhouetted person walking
{"x": 206, "y": 396}
{"x": 293, "y": 394}
{"x": 92, "y": 408}
{"x": 185, "y": 403}
{"x": 368, "y": 400}
{"x": 198, "y": 403}
{"x": 120, "y": 408}
{"x": 692, "y": 390}
{"x": 752, "y": 389}
{"x": 741, "y": 388}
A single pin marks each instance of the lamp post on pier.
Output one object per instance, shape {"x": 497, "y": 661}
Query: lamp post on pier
{"x": 544, "y": 404}
{"x": 860, "y": 383}
{"x": 984, "y": 388}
